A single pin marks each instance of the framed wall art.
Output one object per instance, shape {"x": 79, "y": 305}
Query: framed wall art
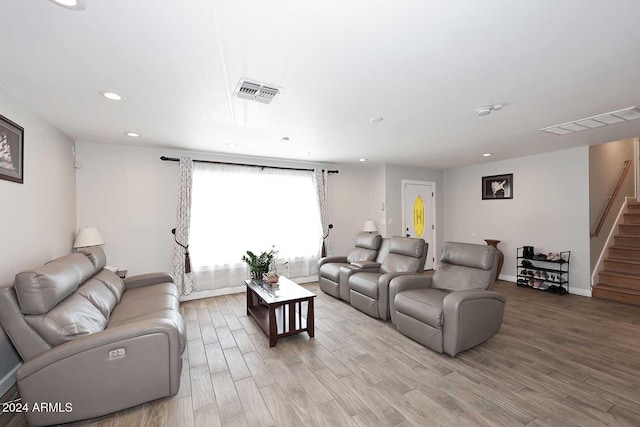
{"x": 11, "y": 151}
{"x": 497, "y": 187}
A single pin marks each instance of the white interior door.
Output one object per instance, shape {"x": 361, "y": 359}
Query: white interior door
{"x": 418, "y": 217}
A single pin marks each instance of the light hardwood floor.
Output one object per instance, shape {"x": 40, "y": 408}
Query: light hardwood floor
{"x": 557, "y": 361}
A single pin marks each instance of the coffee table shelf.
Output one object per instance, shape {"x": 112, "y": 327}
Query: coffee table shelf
{"x": 278, "y": 310}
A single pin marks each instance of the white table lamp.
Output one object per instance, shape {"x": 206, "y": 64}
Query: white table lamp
{"x": 88, "y": 236}
{"x": 370, "y": 226}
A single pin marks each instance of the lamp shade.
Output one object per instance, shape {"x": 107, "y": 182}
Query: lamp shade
{"x": 370, "y": 226}
{"x": 88, "y": 236}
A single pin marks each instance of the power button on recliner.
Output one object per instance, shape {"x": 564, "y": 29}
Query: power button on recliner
{"x": 116, "y": 354}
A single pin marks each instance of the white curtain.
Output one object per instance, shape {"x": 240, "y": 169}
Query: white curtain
{"x": 239, "y": 208}
{"x": 320, "y": 181}
{"x": 183, "y": 219}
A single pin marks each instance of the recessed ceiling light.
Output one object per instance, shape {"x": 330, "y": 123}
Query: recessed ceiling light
{"x": 132, "y": 134}
{"x": 70, "y": 4}
{"x": 376, "y": 119}
{"x": 485, "y": 110}
{"x": 363, "y": 160}
{"x": 284, "y": 139}
{"x": 308, "y": 153}
{"x": 486, "y": 155}
{"x": 232, "y": 145}
{"x": 111, "y": 95}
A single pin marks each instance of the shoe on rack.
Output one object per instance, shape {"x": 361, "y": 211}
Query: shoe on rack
{"x": 531, "y": 282}
{"x": 537, "y": 283}
{"x": 544, "y": 287}
{"x": 537, "y": 275}
{"x": 544, "y": 275}
{"x": 526, "y": 263}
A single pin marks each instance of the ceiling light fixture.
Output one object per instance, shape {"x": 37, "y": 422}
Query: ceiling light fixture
{"x": 132, "y": 134}
{"x": 611, "y": 118}
{"x": 284, "y": 139}
{"x": 110, "y": 95}
{"x": 486, "y": 155}
{"x": 363, "y": 160}
{"x": 376, "y": 119}
{"x": 232, "y": 145}
{"x": 70, "y": 4}
{"x": 485, "y": 110}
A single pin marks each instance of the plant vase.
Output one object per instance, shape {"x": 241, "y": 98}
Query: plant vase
{"x": 494, "y": 243}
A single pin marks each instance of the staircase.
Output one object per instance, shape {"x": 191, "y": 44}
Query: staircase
{"x": 620, "y": 279}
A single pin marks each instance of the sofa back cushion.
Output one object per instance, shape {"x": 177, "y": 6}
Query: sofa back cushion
{"x": 98, "y": 294}
{"x": 40, "y": 289}
{"x": 72, "y": 318}
{"x": 96, "y": 256}
{"x": 113, "y": 282}
{"x": 465, "y": 266}
{"x": 405, "y": 255}
{"x": 366, "y": 248}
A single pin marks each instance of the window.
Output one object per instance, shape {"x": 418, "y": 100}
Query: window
{"x": 236, "y": 208}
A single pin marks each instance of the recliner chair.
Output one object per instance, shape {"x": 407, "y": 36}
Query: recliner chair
{"x": 455, "y": 309}
{"x": 366, "y": 249}
{"x": 369, "y": 288}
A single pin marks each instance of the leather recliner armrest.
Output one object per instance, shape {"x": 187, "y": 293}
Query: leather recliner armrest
{"x": 147, "y": 279}
{"x": 71, "y": 373}
{"x": 366, "y": 265}
{"x": 470, "y": 318}
{"x": 404, "y": 283}
{"x": 341, "y": 259}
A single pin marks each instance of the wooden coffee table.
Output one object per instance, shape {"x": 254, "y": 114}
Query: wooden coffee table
{"x": 278, "y": 309}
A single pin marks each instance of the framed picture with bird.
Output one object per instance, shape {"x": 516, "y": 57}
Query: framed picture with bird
{"x": 497, "y": 187}
{"x": 11, "y": 151}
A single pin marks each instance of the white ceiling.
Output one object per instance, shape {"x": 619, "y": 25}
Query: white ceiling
{"x": 425, "y": 66}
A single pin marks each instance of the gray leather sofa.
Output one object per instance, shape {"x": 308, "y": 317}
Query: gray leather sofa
{"x": 455, "y": 309}
{"x": 369, "y": 287}
{"x": 90, "y": 339}
{"x": 329, "y": 268}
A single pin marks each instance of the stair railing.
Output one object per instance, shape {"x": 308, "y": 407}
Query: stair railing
{"x": 623, "y": 174}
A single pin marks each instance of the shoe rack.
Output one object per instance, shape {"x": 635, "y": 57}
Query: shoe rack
{"x": 544, "y": 272}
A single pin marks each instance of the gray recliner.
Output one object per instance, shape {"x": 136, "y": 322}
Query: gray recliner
{"x": 455, "y": 309}
{"x": 329, "y": 268}
{"x": 91, "y": 340}
{"x": 369, "y": 288}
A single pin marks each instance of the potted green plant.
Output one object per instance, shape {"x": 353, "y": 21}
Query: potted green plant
{"x": 260, "y": 265}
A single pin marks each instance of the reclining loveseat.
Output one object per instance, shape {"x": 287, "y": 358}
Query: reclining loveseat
{"x": 89, "y": 340}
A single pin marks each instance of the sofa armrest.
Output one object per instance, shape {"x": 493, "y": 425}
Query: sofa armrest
{"x": 404, "y": 283}
{"x": 366, "y": 265}
{"x": 470, "y": 318}
{"x": 327, "y": 259}
{"x": 384, "y": 308}
{"x": 147, "y": 279}
{"x": 76, "y": 372}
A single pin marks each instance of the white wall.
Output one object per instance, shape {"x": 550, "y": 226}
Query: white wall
{"x": 130, "y": 195}
{"x": 39, "y": 216}
{"x": 549, "y": 209}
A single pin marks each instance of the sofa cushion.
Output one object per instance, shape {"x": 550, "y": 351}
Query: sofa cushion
{"x": 172, "y": 315}
{"x": 40, "y": 289}
{"x": 331, "y": 270}
{"x": 152, "y": 290}
{"x": 144, "y": 301}
{"x": 361, "y": 254}
{"x": 405, "y": 256}
{"x": 111, "y": 281}
{"x": 99, "y": 295}
{"x": 96, "y": 256}
{"x": 72, "y": 318}
{"x": 468, "y": 255}
{"x": 424, "y": 305}
{"x": 457, "y": 277}
{"x": 368, "y": 241}
{"x": 365, "y": 283}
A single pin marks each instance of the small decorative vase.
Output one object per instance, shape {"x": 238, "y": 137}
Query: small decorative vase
{"x": 494, "y": 243}
{"x": 257, "y": 274}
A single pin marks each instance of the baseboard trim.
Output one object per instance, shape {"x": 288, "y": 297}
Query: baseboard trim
{"x": 581, "y": 292}
{"x": 234, "y": 290}
{"x": 8, "y": 380}
{"x": 504, "y": 277}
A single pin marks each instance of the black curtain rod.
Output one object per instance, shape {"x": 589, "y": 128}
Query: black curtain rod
{"x": 175, "y": 159}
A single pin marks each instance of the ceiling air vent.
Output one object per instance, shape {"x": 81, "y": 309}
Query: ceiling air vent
{"x": 619, "y": 116}
{"x": 255, "y": 91}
